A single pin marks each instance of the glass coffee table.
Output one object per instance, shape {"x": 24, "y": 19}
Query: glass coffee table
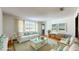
{"x": 38, "y": 42}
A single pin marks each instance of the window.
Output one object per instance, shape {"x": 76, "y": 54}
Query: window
{"x": 30, "y": 26}
{"x": 26, "y": 26}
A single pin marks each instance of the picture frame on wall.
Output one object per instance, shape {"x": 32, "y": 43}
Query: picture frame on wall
{"x": 62, "y": 27}
{"x": 54, "y": 27}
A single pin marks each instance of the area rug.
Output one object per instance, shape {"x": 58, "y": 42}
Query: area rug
{"x": 25, "y": 46}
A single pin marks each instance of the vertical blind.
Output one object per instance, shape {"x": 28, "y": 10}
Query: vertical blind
{"x": 20, "y": 25}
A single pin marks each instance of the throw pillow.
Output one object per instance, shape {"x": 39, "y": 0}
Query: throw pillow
{"x": 71, "y": 40}
{"x": 60, "y": 48}
{"x": 2, "y": 40}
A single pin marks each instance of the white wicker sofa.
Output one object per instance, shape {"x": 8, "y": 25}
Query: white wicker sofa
{"x": 67, "y": 44}
{"x": 73, "y": 47}
{"x": 25, "y": 36}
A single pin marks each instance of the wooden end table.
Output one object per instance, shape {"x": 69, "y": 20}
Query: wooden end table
{"x": 11, "y": 44}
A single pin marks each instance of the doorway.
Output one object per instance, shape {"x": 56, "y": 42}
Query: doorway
{"x": 43, "y": 29}
{"x": 76, "y": 27}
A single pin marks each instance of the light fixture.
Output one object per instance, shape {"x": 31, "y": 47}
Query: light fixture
{"x": 61, "y": 9}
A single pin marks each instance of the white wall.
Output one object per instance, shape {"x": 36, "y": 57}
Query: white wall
{"x": 9, "y": 24}
{"x": 69, "y": 21}
{"x": 1, "y": 28}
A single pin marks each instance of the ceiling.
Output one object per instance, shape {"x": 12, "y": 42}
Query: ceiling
{"x": 40, "y": 13}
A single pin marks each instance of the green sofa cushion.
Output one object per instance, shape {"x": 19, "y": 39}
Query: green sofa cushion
{"x": 26, "y": 33}
{"x": 30, "y": 33}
